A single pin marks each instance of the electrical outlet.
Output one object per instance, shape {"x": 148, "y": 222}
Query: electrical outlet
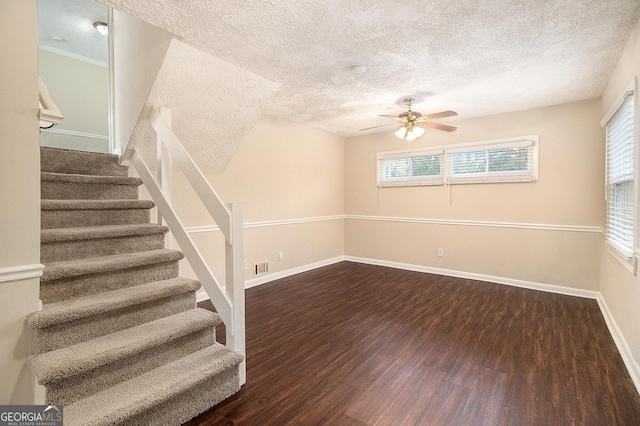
{"x": 280, "y": 255}
{"x": 440, "y": 252}
{"x": 246, "y": 265}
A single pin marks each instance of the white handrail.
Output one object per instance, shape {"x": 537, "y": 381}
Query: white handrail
{"x": 203, "y": 272}
{"x": 229, "y": 302}
{"x": 218, "y": 211}
{"x": 49, "y": 113}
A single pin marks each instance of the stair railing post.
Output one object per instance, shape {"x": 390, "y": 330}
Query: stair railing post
{"x": 234, "y": 277}
{"x": 164, "y": 172}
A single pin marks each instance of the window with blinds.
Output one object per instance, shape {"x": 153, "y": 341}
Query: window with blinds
{"x": 505, "y": 160}
{"x": 620, "y": 131}
{"x": 513, "y": 161}
{"x": 411, "y": 169}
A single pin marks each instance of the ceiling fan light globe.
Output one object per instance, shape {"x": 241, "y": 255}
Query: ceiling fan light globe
{"x": 411, "y": 136}
{"x": 418, "y": 131}
{"x": 400, "y": 133}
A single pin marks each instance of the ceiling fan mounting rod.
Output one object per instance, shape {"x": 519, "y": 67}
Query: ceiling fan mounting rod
{"x": 409, "y": 102}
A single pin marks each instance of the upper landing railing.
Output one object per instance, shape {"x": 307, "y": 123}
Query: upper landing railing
{"x": 49, "y": 113}
{"x": 228, "y": 300}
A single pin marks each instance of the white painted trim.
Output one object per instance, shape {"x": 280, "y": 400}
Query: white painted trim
{"x": 534, "y": 226}
{"x": 208, "y": 196}
{"x": 201, "y": 229}
{"x": 620, "y": 341}
{"x": 77, "y": 134}
{"x": 46, "y": 116}
{"x": 617, "y": 102}
{"x": 201, "y": 295}
{"x": 73, "y": 56}
{"x": 549, "y": 288}
{"x": 19, "y": 273}
{"x": 292, "y": 221}
{"x": 49, "y": 111}
{"x": 254, "y": 282}
{"x": 264, "y": 224}
{"x": 223, "y": 304}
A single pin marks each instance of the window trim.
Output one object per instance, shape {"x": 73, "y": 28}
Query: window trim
{"x": 531, "y": 141}
{"x": 629, "y": 261}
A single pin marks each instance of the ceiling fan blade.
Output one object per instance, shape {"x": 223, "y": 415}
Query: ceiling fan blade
{"x": 438, "y": 126}
{"x": 443, "y": 114}
{"x": 385, "y": 115}
{"x": 384, "y": 125}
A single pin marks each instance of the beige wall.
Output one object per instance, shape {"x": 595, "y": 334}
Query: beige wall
{"x": 568, "y": 194}
{"x": 620, "y": 289}
{"x": 281, "y": 172}
{"x": 19, "y": 193}
{"x": 81, "y": 91}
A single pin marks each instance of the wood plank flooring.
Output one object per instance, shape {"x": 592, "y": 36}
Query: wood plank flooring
{"x": 353, "y": 344}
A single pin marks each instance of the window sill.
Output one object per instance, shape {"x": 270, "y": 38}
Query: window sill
{"x": 629, "y": 264}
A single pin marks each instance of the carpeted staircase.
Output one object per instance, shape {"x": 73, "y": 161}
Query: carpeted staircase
{"x": 119, "y": 339}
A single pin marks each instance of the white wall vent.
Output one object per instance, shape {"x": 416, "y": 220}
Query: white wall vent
{"x": 261, "y": 268}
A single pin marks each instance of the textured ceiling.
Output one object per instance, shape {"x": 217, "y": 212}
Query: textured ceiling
{"x": 343, "y": 62}
{"x": 206, "y": 113}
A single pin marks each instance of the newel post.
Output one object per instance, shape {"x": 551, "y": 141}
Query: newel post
{"x": 234, "y": 258}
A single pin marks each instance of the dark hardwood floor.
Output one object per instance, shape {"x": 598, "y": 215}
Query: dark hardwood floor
{"x": 354, "y": 344}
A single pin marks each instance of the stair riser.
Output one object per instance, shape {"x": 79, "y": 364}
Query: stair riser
{"x": 81, "y": 249}
{"x": 187, "y": 405}
{"x": 51, "y": 219}
{"x": 70, "y": 333}
{"x": 69, "y": 390}
{"x": 82, "y": 163}
{"x": 86, "y": 191}
{"x": 52, "y": 291}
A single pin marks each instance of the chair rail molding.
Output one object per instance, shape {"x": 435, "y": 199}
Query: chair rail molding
{"x": 22, "y": 272}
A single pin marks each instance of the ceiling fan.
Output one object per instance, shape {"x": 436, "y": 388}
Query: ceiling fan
{"x": 413, "y": 122}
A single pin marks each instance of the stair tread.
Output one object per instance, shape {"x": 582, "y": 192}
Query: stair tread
{"x": 59, "y": 160}
{"x": 87, "y": 356}
{"x": 94, "y": 232}
{"x": 91, "y": 179}
{"x": 93, "y": 265}
{"x": 116, "y": 404}
{"x": 96, "y": 304}
{"x": 95, "y": 204}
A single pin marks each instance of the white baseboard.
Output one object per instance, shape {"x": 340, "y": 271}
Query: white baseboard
{"x": 201, "y": 295}
{"x": 621, "y": 343}
{"x": 549, "y": 288}
{"x": 253, "y": 282}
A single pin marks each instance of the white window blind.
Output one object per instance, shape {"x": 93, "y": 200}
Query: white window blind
{"x": 514, "y": 161}
{"x": 621, "y": 179}
{"x": 411, "y": 169}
